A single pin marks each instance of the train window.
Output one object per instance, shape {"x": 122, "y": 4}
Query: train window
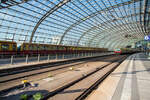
{"x": 24, "y": 47}
{"x": 30, "y": 47}
{"x": 53, "y": 47}
{"x": 56, "y": 48}
{"x": 117, "y": 49}
{"x": 5, "y": 47}
{"x": 19, "y": 48}
{"x": 35, "y": 47}
{"x": 41, "y": 47}
{"x": 46, "y": 47}
{"x": 49, "y": 47}
{"x": 38, "y": 47}
{"x": 60, "y": 48}
{"x": 14, "y": 47}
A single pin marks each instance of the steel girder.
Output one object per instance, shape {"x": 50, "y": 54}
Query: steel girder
{"x": 9, "y": 3}
{"x": 111, "y": 28}
{"x": 110, "y": 40}
{"x": 94, "y": 14}
{"x": 96, "y": 27}
{"x": 110, "y": 37}
{"x": 114, "y": 43}
{"x": 144, "y": 18}
{"x": 46, "y": 15}
{"x": 104, "y": 36}
{"x": 87, "y": 19}
{"x": 118, "y": 43}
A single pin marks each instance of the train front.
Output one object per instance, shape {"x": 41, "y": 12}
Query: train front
{"x": 117, "y": 51}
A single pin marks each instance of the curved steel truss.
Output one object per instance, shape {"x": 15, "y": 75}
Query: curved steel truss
{"x": 93, "y": 23}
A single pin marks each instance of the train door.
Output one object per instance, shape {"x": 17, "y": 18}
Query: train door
{"x": 5, "y": 47}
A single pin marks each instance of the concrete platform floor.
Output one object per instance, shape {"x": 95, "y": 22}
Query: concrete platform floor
{"x": 130, "y": 81}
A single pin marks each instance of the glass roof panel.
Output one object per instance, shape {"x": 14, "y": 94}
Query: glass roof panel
{"x": 74, "y": 22}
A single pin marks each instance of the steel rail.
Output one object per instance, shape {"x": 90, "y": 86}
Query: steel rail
{"x": 83, "y": 60}
{"x": 55, "y": 92}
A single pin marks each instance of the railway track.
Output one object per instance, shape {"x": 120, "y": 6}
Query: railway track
{"x": 81, "y": 87}
{"x": 15, "y": 79}
{"x": 11, "y": 71}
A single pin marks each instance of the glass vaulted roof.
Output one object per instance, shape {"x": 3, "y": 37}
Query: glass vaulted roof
{"x": 92, "y": 23}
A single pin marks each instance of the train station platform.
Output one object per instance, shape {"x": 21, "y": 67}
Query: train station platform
{"x": 31, "y": 62}
{"x": 130, "y": 81}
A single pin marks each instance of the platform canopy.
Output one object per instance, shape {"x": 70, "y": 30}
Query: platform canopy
{"x": 90, "y": 23}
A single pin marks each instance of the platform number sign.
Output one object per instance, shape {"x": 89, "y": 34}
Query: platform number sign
{"x": 147, "y": 37}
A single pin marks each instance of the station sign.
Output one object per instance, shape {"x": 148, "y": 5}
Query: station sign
{"x": 147, "y": 37}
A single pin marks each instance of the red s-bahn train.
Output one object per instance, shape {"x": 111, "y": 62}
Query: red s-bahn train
{"x": 125, "y": 50}
{"x": 11, "y": 48}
